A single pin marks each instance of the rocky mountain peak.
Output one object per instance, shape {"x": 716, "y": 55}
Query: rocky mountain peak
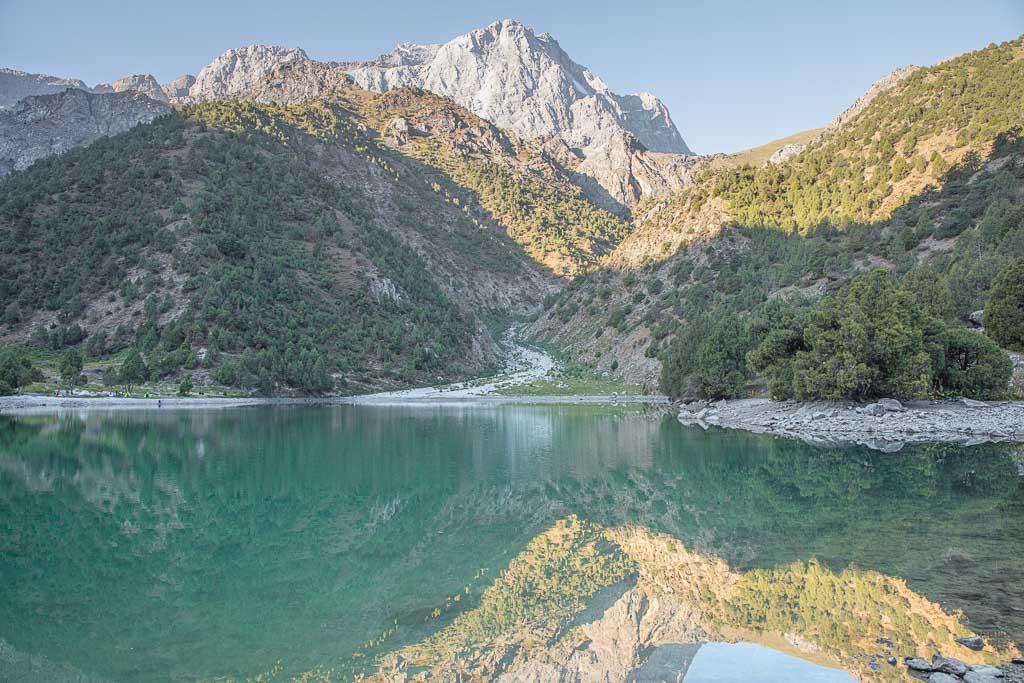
{"x": 236, "y": 70}
{"x": 180, "y": 86}
{"x": 884, "y": 83}
{"x": 524, "y": 81}
{"x": 143, "y": 83}
{"x": 15, "y": 85}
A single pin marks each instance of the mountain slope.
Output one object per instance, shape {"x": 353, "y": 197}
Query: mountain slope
{"x": 518, "y": 185}
{"x": 925, "y": 180}
{"x": 276, "y": 248}
{"x": 525, "y": 82}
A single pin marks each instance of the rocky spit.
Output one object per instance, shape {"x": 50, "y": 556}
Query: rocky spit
{"x": 886, "y": 425}
{"x": 951, "y": 670}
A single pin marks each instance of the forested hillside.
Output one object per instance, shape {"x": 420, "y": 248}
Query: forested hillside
{"x": 263, "y": 247}
{"x": 925, "y": 183}
{"x": 508, "y": 182}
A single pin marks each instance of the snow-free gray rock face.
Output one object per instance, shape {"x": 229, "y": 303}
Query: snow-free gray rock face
{"x": 180, "y": 86}
{"x": 519, "y": 80}
{"x": 42, "y": 125}
{"x": 15, "y": 85}
{"x": 234, "y": 71}
{"x": 143, "y": 83}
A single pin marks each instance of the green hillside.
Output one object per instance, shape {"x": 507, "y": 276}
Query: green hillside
{"x": 926, "y": 183}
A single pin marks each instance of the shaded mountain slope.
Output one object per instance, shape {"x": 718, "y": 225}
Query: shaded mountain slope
{"x": 271, "y": 247}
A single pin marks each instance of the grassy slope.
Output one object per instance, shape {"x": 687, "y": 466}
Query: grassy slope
{"x": 757, "y": 156}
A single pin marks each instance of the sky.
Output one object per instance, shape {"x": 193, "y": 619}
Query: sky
{"x": 734, "y": 75}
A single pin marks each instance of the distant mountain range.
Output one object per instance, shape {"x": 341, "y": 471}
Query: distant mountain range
{"x": 504, "y": 73}
{"x": 468, "y": 181}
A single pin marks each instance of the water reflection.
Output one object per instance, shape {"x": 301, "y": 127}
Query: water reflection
{"x": 161, "y": 545}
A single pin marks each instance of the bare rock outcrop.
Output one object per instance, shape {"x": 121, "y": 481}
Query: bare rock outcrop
{"x": 179, "y": 87}
{"x": 142, "y": 83}
{"x": 786, "y": 152}
{"x": 884, "y": 83}
{"x": 296, "y": 81}
{"x": 520, "y": 80}
{"x": 43, "y": 125}
{"x": 234, "y": 71}
{"x": 16, "y": 85}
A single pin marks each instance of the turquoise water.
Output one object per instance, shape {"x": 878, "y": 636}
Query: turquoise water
{"x": 202, "y": 544}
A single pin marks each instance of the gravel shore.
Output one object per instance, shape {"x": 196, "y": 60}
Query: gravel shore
{"x": 887, "y": 425}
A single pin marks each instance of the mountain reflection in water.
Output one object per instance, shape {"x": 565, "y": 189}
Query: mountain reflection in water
{"x": 520, "y": 539}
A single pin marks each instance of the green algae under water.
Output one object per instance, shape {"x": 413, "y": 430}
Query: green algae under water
{"x": 202, "y": 544}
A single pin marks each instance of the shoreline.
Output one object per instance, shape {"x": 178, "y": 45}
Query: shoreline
{"x": 887, "y": 425}
{"x": 523, "y": 365}
{"x": 24, "y": 404}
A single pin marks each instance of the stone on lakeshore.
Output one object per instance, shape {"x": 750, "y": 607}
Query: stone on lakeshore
{"x": 941, "y": 677}
{"x": 873, "y": 409}
{"x": 971, "y": 403}
{"x": 983, "y": 676}
{"x": 891, "y": 405}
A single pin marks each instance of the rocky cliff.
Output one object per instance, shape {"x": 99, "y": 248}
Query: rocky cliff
{"x": 142, "y": 83}
{"x": 15, "y": 85}
{"x": 525, "y": 82}
{"x": 237, "y": 69}
{"x": 44, "y": 125}
{"x": 520, "y": 80}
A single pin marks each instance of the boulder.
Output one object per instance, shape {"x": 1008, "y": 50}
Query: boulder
{"x": 976, "y": 317}
{"x": 917, "y": 664}
{"x": 972, "y": 642}
{"x": 949, "y": 665}
{"x": 984, "y": 676}
{"x": 891, "y": 405}
{"x": 971, "y": 403}
{"x": 942, "y": 678}
{"x": 873, "y": 409}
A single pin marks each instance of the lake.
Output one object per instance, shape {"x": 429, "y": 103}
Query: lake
{"x": 520, "y": 540}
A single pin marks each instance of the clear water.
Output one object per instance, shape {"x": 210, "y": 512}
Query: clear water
{"x": 204, "y": 544}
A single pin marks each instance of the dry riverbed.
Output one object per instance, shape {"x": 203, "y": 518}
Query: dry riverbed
{"x": 887, "y": 425}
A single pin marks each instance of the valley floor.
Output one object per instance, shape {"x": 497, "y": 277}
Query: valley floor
{"x": 525, "y": 368}
{"x": 887, "y": 425}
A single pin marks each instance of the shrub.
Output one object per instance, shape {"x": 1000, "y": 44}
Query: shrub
{"x": 16, "y": 370}
{"x": 870, "y": 341}
{"x": 974, "y": 366}
{"x": 1004, "y": 313}
{"x": 707, "y": 358}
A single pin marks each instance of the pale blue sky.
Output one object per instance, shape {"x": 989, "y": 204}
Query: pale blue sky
{"x": 733, "y": 74}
